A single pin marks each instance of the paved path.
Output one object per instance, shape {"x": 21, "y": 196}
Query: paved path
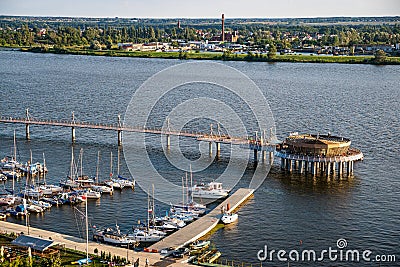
{"x": 72, "y": 242}
{"x": 203, "y": 225}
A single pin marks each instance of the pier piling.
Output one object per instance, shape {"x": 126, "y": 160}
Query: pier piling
{"x": 73, "y": 137}
{"x": 27, "y": 133}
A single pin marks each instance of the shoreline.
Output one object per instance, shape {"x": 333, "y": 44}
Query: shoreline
{"x": 219, "y": 56}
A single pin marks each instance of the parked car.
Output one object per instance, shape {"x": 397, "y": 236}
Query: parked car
{"x": 180, "y": 252}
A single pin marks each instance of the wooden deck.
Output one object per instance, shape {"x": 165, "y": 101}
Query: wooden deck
{"x": 203, "y": 225}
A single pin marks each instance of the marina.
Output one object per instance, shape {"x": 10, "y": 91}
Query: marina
{"x": 205, "y": 224}
{"x": 329, "y": 207}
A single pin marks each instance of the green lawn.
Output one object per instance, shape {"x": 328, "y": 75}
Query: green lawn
{"x": 219, "y": 56}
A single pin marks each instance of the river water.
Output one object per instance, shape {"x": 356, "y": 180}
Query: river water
{"x": 288, "y": 212}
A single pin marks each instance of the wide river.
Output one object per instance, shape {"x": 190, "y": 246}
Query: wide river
{"x": 288, "y": 212}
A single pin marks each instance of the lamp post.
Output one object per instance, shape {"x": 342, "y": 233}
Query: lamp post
{"x": 27, "y": 221}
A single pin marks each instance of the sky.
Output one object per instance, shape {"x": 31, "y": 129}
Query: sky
{"x": 200, "y": 9}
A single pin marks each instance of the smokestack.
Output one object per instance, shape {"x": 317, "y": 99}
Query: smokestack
{"x": 223, "y": 29}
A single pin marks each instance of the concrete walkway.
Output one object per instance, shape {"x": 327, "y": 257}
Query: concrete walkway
{"x": 203, "y": 225}
{"x": 75, "y": 243}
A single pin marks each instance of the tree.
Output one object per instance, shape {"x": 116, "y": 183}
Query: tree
{"x": 95, "y": 45}
{"x": 380, "y": 56}
{"x": 271, "y": 52}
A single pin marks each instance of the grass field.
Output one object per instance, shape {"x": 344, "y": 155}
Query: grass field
{"x": 219, "y": 56}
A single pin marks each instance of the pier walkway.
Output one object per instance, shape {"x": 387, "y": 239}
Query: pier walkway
{"x": 203, "y": 225}
{"x": 79, "y": 244}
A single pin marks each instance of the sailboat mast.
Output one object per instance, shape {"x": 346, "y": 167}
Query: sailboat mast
{"x": 152, "y": 209}
{"x": 187, "y": 190}
{"x": 44, "y": 169}
{"x": 30, "y": 168}
{"x": 71, "y": 176}
{"x": 191, "y": 183}
{"x": 148, "y": 209}
{"x": 81, "y": 156}
{"x": 183, "y": 192}
{"x": 15, "y": 159}
{"x": 111, "y": 167}
{"x": 118, "y": 162}
{"x": 87, "y": 230}
{"x": 97, "y": 166}
{"x": 15, "y": 148}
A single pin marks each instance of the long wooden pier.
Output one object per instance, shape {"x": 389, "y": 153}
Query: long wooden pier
{"x": 203, "y": 225}
{"x": 254, "y": 142}
{"x": 79, "y": 244}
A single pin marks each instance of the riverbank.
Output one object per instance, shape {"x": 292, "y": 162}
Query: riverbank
{"x": 295, "y": 58}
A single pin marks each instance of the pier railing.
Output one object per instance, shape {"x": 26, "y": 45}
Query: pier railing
{"x": 244, "y": 141}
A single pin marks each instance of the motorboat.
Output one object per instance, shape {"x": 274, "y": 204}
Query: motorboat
{"x": 200, "y": 244}
{"x": 150, "y": 235}
{"x": 32, "y": 192}
{"x": 120, "y": 183}
{"x": 103, "y": 188}
{"x": 228, "y": 218}
{"x": 44, "y": 205}
{"x": 34, "y": 208}
{"x": 114, "y": 237}
{"x": 212, "y": 190}
{"x": 91, "y": 194}
{"x": 50, "y": 189}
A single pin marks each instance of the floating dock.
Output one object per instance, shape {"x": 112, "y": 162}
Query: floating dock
{"x": 203, "y": 225}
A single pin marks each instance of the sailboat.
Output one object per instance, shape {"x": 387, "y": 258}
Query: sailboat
{"x": 31, "y": 190}
{"x": 82, "y": 181}
{"x": 70, "y": 180}
{"x": 148, "y": 234}
{"x": 188, "y": 207}
{"x": 119, "y": 182}
{"x": 9, "y": 167}
{"x": 48, "y": 189}
{"x": 99, "y": 187}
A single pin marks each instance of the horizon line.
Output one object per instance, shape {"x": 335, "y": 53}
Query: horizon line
{"x": 189, "y": 18}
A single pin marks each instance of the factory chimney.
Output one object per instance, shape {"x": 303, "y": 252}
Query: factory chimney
{"x": 223, "y": 29}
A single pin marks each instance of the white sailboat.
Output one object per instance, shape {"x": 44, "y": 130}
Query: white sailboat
{"x": 48, "y": 189}
{"x": 99, "y": 187}
{"x": 148, "y": 234}
{"x": 119, "y": 182}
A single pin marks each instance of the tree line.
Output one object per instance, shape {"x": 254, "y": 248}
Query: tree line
{"x": 281, "y": 36}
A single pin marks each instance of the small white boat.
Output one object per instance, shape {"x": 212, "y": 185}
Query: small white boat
{"x": 103, "y": 189}
{"x": 228, "y": 218}
{"x": 34, "y": 208}
{"x": 114, "y": 237}
{"x": 44, "y": 205}
{"x": 50, "y": 189}
{"x": 90, "y": 194}
{"x": 32, "y": 192}
{"x": 200, "y": 244}
{"x": 146, "y": 236}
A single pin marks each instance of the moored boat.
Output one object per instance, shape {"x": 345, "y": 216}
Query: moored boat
{"x": 228, "y": 218}
{"x": 212, "y": 190}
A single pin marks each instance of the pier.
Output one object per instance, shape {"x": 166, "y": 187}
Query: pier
{"x": 204, "y": 224}
{"x": 254, "y": 142}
